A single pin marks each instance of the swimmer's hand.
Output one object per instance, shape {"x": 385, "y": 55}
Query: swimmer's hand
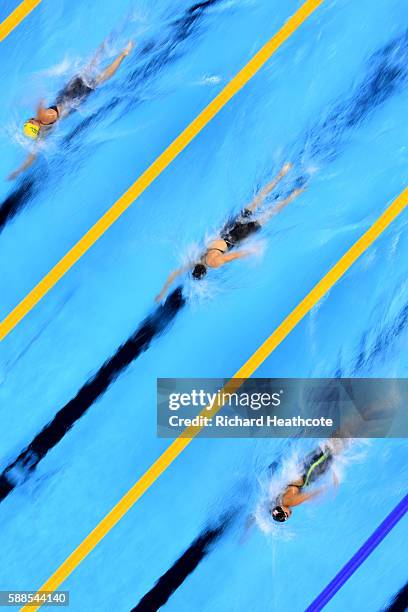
{"x": 249, "y": 523}
{"x": 169, "y": 281}
{"x": 13, "y": 175}
{"x": 159, "y": 297}
{"x": 23, "y": 167}
{"x": 318, "y": 492}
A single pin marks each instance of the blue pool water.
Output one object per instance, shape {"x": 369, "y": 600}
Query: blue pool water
{"x": 333, "y": 101}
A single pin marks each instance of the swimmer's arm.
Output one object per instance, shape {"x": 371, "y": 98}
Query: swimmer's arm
{"x": 299, "y": 498}
{"x": 169, "y": 281}
{"x": 236, "y": 255}
{"x": 23, "y": 167}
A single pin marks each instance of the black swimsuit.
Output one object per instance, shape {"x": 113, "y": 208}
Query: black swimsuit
{"x": 75, "y": 91}
{"x": 239, "y": 230}
{"x": 235, "y": 232}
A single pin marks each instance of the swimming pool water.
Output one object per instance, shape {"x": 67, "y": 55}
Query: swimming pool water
{"x": 332, "y": 100}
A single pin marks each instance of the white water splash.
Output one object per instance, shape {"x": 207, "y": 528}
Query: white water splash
{"x": 214, "y": 79}
{"x": 65, "y": 66}
{"x": 345, "y": 452}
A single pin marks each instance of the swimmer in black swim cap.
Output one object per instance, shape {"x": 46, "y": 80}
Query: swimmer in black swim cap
{"x": 217, "y": 252}
{"x": 316, "y": 464}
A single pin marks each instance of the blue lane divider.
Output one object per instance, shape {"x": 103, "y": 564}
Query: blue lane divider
{"x": 360, "y": 556}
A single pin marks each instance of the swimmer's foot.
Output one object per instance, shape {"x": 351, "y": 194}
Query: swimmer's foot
{"x": 110, "y": 70}
{"x": 128, "y": 48}
{"x": 259, "y": 199}
{"x": 285, "y": 169}
{"x": 298, "y": 191}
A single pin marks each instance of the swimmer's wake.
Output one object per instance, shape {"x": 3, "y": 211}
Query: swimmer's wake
{"x": 153, "y": 326}
{"x": 388, "y": 70}
{"x": 159, "y": 55}
{"x": 174, "y": 577}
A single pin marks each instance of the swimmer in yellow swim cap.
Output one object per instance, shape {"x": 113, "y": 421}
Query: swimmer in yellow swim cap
{"x": 31, "y": 128}
{"x": 69, "y": 98}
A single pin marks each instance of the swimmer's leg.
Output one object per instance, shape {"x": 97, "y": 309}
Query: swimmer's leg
{"x": 258, "y": 200}
{"x": 274, "y": 210}
{"x": 110, "y": 70}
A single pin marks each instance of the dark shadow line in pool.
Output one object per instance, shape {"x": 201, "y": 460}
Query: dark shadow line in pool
{"x": 174, "y": 577}
{"x": 151, "y": 328}
{"x": 204, "y": 543}
{"x": 399, "y": 602}
{"x": 21, "y": 195}
{"x": 38, "y": 333}
{"x": 16, "y": 199}
{"x": 369, "y": 352}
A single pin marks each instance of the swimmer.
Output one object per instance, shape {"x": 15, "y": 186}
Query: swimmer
{"x": 73, "y": 94}
{"x": 315, "y": 465}
{"x": 236, "y": 231}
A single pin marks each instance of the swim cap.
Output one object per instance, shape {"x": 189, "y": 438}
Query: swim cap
{"x": 199, "y": 271}
{"x": 31, "y": 129}
{"x": 279, "y": 515}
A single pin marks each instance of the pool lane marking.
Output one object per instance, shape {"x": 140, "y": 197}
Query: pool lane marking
{"x": 360, "y": 556}
{"x": 176, "y": 448}
{"x": 16, "y": 17}
{"x": 157, "y": 167}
